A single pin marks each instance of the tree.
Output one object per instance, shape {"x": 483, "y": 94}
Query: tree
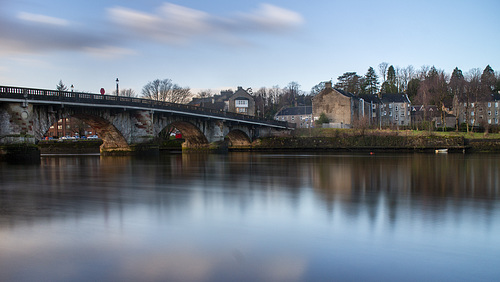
{"x": 488, "y": 80}
{"x": 349, "y": 82}
{"x": 291, "y": 93}
{"x": 317, "y": 88}
{"x": 389, "y": 86}
{"x": 165, "y": 90}
{"x": 205, "y": 93}
{"x": 370, "y": 82}
{"x": 412, "y": 89}
{"x": 61, "y": 86}
{"x": 457, "y": 89}
{"x": 382, "y": 67}
{"x": 128, "y": 93}
{"x": 322, "y": 119}
{"x": 474, "y": 93}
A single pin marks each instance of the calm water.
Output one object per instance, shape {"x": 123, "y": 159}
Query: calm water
{"x": 252, "y": 217}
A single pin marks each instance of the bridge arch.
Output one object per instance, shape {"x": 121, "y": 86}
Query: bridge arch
{"x": 238, "y": 138}
{"x": 191, "y": 133}
{"x": 112, "y": 138}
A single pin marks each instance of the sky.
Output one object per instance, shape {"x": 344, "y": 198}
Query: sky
{"x": 224, "y": 44}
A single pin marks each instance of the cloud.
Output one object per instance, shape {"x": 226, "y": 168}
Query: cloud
{"x": 170, "y": 24}
{"x": 42, "y": 19}
{"x": 108, "y": 52}
{"x": 173, "y": 24}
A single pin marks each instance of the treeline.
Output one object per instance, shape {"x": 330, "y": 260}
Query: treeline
{"x": 427, "y": 85}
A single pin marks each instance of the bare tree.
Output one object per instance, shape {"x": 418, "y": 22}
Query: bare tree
{"x": 473, "y": 93}
{"x": 205, "y": 93}
{"x": 165, "y": 90}
{"x": 126, "y": 93}
{"x": 382, "y": 67}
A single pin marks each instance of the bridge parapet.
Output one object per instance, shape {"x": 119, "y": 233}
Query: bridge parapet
{"x": 45, "y": 95}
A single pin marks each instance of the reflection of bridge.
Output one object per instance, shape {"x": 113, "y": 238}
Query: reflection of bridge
{"x": 124, "y": 123}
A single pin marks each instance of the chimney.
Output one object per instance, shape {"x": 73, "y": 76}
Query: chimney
{"x": 328, "y": 84}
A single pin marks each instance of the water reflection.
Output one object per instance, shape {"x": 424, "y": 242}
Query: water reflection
{"x": 271, "y": 217}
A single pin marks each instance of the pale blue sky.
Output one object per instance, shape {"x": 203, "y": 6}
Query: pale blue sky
{"x": 222, "y": 44}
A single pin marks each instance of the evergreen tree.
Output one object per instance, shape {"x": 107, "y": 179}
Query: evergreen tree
{"x": 389, "y": 86}
{"x": 61, "y": 86}
{"x": 370, "y": 82}
{"x": 349, "y": 82}
{"x": 488, "y": 80}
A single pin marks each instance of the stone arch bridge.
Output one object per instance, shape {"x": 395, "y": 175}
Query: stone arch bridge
{"x": 125, "y": 124}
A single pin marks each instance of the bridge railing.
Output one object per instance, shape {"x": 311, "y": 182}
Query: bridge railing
{"x": 79, "y": 97}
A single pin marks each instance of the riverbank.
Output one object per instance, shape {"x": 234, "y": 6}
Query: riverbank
{"x": 379, "y": 140}
{"x": 89, "y": 146}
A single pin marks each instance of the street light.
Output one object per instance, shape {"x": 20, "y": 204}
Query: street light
{"x": 117, "y": 90}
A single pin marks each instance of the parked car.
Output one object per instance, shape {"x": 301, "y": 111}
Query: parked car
{"x": 93, "y": 137}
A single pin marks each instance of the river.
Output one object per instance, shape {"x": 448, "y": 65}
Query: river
{"x": 252, "y": 217}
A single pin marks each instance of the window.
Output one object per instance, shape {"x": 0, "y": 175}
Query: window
{"x": 385, "y": 113}
{"x": 489, "y": 113}
{"x": 489, "y": 104}
{"x": 390, "y": 114}
{"x": 293, "y": 117}
{"x": 390, "y": 106}
{"x": 396, "y": 117}
{"x": 472, "y": 113}
{"x": 241, "y": 103}
{"x": 496, "y": 113}
{"x": 472, "y": 104}
{"x": 402, "y": 114}
{"x": 496, "y": 104}
{"x": 396, "y": 108}
{"x": 241, "y": 110}
{"x": 489, "y": 121}
{"x": 374, "y": 106}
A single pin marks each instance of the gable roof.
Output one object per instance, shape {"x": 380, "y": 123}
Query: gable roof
{"x": 370, "y": 98}
{"x": 395, "y": 98}
{"x": 294, "y": 111}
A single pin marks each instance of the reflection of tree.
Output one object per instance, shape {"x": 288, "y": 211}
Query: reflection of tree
{"x": 418, "y": 181}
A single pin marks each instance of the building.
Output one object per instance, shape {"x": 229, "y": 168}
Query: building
{"x": 242, "y": 102}
{"x": 237, "y": 102}
{"x": 301, "y": 116}
{"x": 395, "y": 110}
{"x": 478, "y": 113}
{"x": 344, "y": 109}
{"x": 70, "y": 127}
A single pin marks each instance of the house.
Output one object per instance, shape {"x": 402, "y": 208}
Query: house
{"x": 237, "y": 102}
{"x": 395, "y": 110}
{"x": 242, "y": 102}
{"x": 344, "y": 109}
{"x": 485, "y": 112}
{"x": 301, "y": 116}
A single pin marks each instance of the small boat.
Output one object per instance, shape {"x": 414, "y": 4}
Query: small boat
{"x": 438, "y": 151}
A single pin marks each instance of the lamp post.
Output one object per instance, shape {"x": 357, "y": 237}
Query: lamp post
{"x": 117, "y": 89}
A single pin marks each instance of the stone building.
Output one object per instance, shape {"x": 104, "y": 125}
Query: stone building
{"x": 242, "y": 102}
{"x": 301, "y": 116}
{"x": 395, "y": 110}
{"x": 344, "y": 109}
{"x": 478, "y": 113}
